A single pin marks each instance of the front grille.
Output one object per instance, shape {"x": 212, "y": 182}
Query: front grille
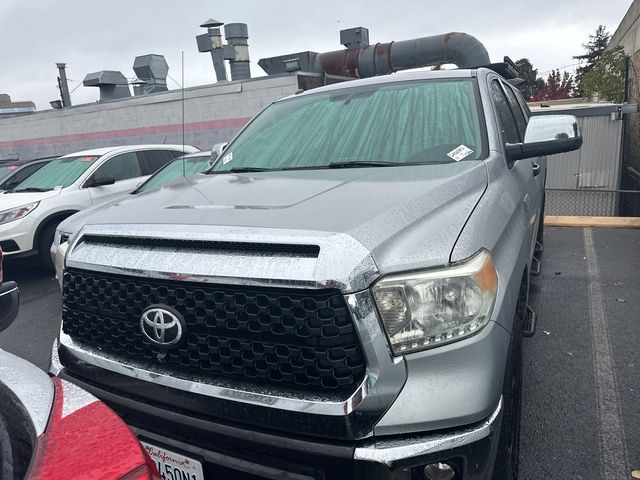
{"x": 291, "y": 338}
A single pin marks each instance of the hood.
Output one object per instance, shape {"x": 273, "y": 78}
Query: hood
{"x": 405, "y": 216}
{"x": 10, "y": 200}
{"x": 76, "y": 221}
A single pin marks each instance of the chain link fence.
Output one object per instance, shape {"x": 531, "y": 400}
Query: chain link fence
{"x": 608, "y": 203}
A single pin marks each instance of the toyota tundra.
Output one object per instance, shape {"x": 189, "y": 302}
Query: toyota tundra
{"x": 343, "y": 294}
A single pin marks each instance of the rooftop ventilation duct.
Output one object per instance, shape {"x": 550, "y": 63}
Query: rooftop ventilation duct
{"x": 237, "y": 34}
{"x": 236, "y": 51}
{"x": 212, "y": 42}
{"x": 113, "y": 85}
{"x": 9, "y": 107}
{"x": 151, "y": 71}
{"x": 360, "y": 60}
{"x": 63, "y": 84}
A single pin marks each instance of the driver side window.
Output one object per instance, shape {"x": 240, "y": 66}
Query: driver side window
{"x": 120, "y": 167}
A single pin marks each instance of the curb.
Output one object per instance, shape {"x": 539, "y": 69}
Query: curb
{"x": 604, "y": 222}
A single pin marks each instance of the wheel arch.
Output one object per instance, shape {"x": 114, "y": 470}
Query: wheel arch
{"x": 53, "y": 217}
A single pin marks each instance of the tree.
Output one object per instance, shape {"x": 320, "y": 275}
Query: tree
{"x": 532, "y": 83}
{"x": 606, "y": 78}
{"x": 595, "y": 47}
{"x": 557, "y": 87}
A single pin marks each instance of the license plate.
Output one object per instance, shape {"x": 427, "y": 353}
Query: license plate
{"x": 172, "y": 465}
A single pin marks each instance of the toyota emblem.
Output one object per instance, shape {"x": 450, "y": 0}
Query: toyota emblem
{"x": 161, "y": 326}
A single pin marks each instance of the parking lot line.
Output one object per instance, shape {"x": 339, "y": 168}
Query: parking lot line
{"x": 611, "y": 432}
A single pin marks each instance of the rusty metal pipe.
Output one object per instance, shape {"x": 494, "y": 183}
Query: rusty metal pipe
{"x": 458, "y": 48}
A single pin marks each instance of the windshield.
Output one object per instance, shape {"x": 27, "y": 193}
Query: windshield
{"x": 58, "y": 173}
{"x": 177, "y": 168}
{"x": 401, "y": 123}
{"x": 7, "y": 170}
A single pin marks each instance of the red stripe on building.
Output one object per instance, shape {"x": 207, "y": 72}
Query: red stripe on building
{"x": 131, "y": 132}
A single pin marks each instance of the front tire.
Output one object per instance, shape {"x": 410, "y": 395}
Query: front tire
{"x": 45, "y": 240}
{"x": 508, "y": 456}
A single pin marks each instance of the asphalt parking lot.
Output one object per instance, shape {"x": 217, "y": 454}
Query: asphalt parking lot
{"x": 581, "y": 406}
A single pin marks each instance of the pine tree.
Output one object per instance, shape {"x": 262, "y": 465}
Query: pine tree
{"x": 595, "y": 47}
{"x": 532, "y": 83}
{"x": 606, "y": 78}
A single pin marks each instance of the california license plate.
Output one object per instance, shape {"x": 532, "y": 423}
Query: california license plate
{"x": 172, "y": 465}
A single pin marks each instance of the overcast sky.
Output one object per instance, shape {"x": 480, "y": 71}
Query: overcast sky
{"x": 93, "y": 35}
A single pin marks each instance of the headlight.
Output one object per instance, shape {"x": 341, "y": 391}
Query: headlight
{"x": 60, "y": 237}
{"x": 7, "y": 216}
{"x": 425, "y": 309}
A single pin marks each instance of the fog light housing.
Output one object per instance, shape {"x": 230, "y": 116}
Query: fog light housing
{"x": 439, "y": 471}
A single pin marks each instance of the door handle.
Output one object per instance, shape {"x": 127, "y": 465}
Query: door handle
{"x": 537, "y": 169}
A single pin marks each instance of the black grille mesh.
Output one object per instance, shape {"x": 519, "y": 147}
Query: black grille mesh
{"x": 293, "y": 338}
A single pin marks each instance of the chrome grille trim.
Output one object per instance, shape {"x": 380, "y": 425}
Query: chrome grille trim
{"x": 342, "y": 263}
{"x": 383, "y": 380}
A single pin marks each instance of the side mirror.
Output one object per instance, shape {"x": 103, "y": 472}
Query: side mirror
{"x": 9, "y": 302}
{"x": 100, "y": 181}
{"x": 546, "y": 135}
{"x": 217, "y": 150}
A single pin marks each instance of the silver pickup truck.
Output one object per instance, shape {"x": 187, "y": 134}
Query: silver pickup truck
{"x": 342, "y": 295}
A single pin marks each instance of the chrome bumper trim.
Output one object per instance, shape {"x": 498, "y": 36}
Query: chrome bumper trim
{"x": 203, "y": 386}
{"x": 390, "y": 451}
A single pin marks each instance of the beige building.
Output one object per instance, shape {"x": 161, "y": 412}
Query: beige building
{"x": 628, "y": 36}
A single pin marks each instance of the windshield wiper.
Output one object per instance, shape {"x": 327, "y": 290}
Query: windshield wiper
{"x": 363, "y": 163}
{"x": 239, "y": 170}
{"x": 31, "y": 189}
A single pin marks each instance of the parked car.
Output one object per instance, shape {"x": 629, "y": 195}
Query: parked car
{"x": 30, "y": 213}
{"x": 9, "y": 301}
{"x": 179, "y": 168}
{"x": 343, "y": 295}
{"x": 12, "y": 174}
{"x": 52, "y": 429}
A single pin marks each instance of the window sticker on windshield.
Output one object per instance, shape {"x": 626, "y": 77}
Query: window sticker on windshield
{"x": 459, "y": 153}
{"x": 88, "y": 159}
{"x": 227, "y": 158}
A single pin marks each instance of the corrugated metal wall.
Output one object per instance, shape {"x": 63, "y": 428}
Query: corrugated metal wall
{"x": 596, "y": 166}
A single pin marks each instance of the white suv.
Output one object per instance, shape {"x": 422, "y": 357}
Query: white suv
{"x": 30, "y": 213}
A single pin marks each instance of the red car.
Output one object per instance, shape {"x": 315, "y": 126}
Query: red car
{"x": 51, "y": 429}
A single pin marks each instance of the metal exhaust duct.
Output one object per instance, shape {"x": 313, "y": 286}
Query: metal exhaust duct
{"x": 361, "y": 60}
{"x": 237, "y": 35}
{"x": 63, "y": 84}
{"x": 460, "y": 49}
{"x": 212, "y": 42}
{"x": 113, "y": 84}
{"x": 152, "y": 72}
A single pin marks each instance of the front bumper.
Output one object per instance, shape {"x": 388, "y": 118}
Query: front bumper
{"x": 230, "y": 451}
{"x": 9, "y": 303}
{"x": 60, "y": 238}
{"x": 16, "y": 237}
